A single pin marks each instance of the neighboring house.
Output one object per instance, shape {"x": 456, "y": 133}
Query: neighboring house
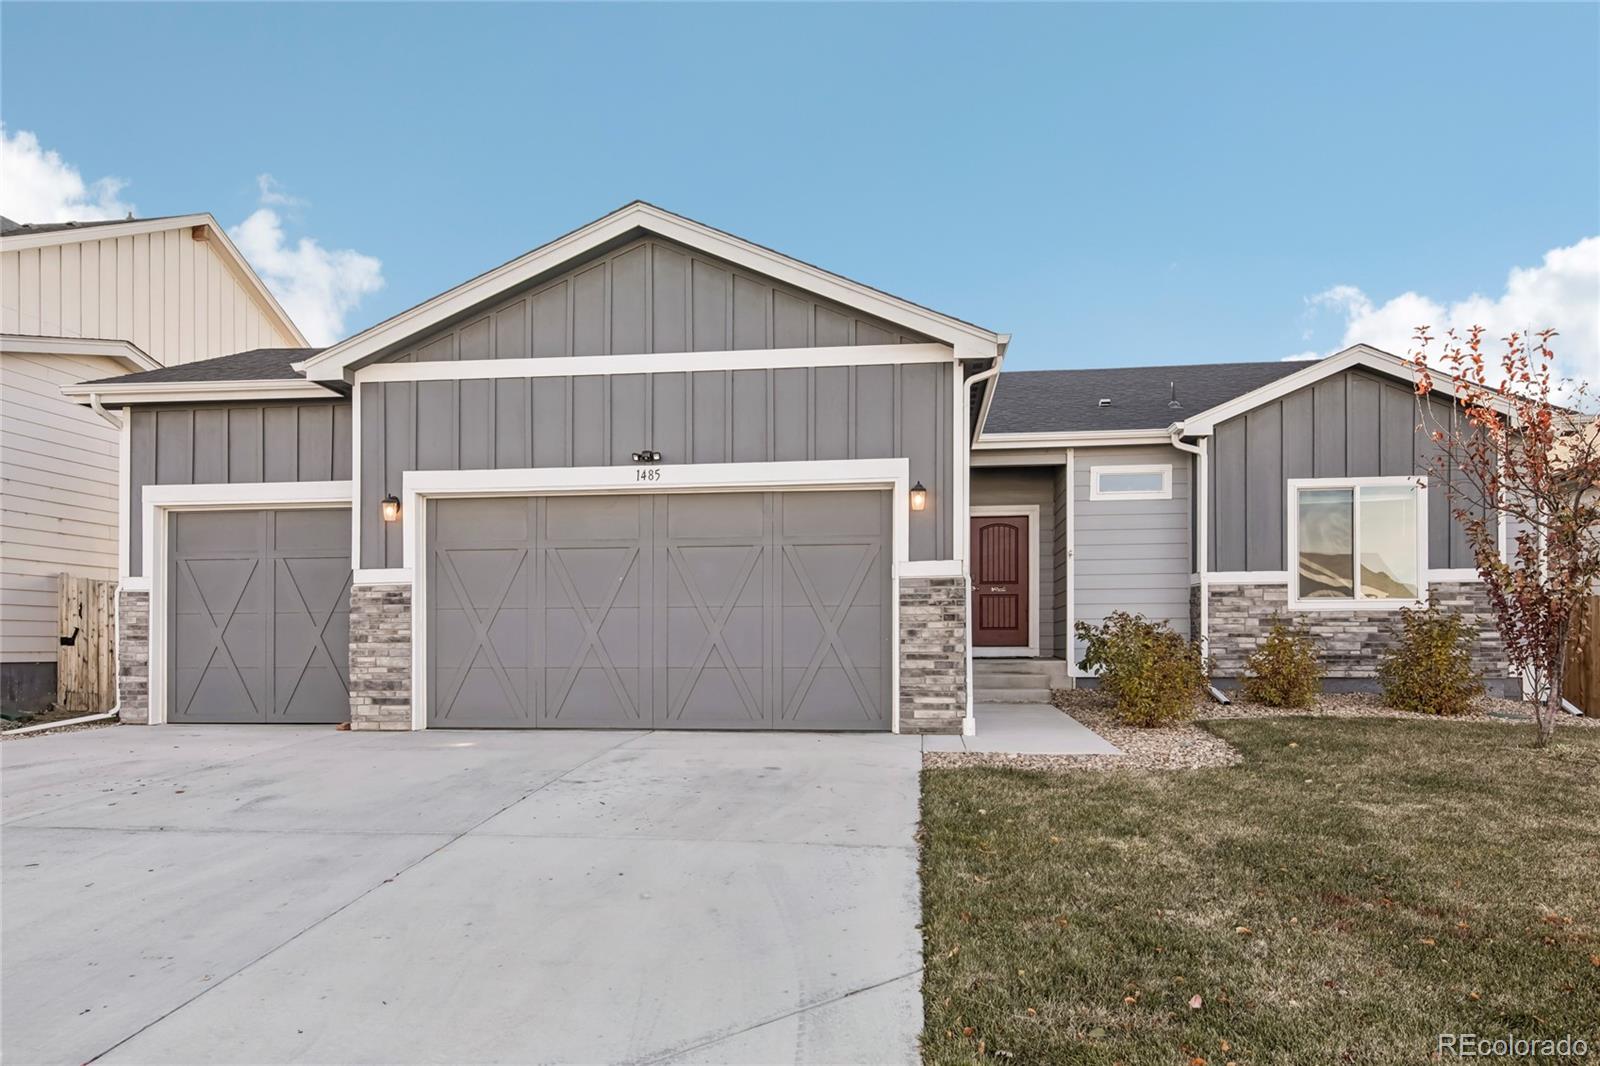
{"x": 84, "y": 300}
{"x": 653, "y": 475}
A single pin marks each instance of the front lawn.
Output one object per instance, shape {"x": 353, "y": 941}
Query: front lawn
{"x": 1348, "y": 892}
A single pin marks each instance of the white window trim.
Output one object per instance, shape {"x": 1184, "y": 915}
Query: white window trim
{"x": 1030, "y": 511}
{"x": 1292, "y": 529}
{"x": 421, "y": 486}
{"x": 1163, "y": 493}
{"x": 161, "y": 501}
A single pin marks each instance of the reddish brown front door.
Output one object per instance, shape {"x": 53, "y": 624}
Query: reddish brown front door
{"x": 1000, "y": 581}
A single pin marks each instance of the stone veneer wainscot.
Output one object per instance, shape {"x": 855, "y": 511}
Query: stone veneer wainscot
{"x": 933, "y": 654}
{"x": 133, "y": 656}
{"x": 1350, "y": 642}
{"x": 380, "y": 656}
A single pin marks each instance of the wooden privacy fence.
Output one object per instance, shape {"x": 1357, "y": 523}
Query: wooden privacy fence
{"x": 1582, "y": 685}
{"x": 86, "y": 674}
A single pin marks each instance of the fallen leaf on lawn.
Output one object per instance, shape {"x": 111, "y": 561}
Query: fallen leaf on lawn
{"x": 1224, "y": 1046}
{"x": 1474, "y": 996}
{"x": 1428, "y": 940}
{"x": 1055, "y": 840}
{"x": 1032, "y": 1013}
{"x": 1243, "y": 930}
{"x": 1195, "y": 1002}
{"x": 1197, "y": 1061}
{"x": 966, "y": 1030}
{"x": 1594, "y": 960}
{"x": 954, "y": 952}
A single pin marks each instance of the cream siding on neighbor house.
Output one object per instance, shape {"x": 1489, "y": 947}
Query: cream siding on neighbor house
{"x": 58, "y": 495}
{"x": 173, "y": 296}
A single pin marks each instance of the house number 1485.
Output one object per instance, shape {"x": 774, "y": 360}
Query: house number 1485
{"x": 649, "y": 473}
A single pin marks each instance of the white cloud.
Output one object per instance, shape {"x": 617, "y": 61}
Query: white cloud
{"x": 1562, "y": 293}
{"x": 317, "y": 286}
{"x": 1302, "y": 357}
{"x": 36, "y": 185}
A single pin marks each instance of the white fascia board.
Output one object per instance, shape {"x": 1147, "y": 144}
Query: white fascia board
{"x": 1081, "y": 439}
{"x": 665, "y": 363}
{"x": 232, "y": 496}
{"x": 125, "y": 352}
{"x": 1358, "y": 355}
{"x": 198, "y": 391}
{"x": 968, "y": 340}
{"x": 134, "y": 227}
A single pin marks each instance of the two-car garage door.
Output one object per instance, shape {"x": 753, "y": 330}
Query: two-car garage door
{"x": 764, "y": 610}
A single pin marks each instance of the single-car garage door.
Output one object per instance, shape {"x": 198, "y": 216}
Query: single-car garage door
{"x": 754, "y": 610}
{"x": 259, "y": 616}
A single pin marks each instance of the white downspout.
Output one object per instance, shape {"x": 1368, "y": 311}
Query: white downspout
{"x": 1202, "y": 547}
{"x": 94, "y": 405}
{"x": 969, "y": 725}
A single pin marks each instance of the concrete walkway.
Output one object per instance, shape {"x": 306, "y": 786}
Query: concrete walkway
{"x": 1025, "y": 729}
{"x": 283, "y": 894}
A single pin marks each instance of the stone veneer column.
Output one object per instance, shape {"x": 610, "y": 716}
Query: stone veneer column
{"x": 133, "y": 656}
{"x": 380, "y": 657}
{"x": 933, "y": 654}
{"x": 1349, "y": 642}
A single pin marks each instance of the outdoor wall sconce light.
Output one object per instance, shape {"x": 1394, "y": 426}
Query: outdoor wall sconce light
{"x": 647, "y": 457}
{"x": 919, "y": 497}
{"x": 391, "y": 508}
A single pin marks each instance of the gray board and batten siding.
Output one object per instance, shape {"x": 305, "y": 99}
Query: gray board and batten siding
{"x": 713, "y": 416}
{"x": 1354, "y": 424}
{"x": 1131, "y": 555}
{"x": 648, "y": 296}
{"x": 232, "y": 443}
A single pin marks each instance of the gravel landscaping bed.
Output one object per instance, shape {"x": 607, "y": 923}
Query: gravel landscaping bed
{"x": 1191, "y": 746}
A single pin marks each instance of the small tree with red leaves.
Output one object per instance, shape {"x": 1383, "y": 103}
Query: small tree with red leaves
{"x": 1526, "y": 443}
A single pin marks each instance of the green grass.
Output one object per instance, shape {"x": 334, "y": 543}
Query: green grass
{"x": 1353, "y": 889}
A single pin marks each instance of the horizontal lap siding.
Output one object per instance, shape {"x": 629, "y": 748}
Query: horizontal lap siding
{"x": 233, "y": 444}
{"x": 1131, "y": 555}
{"x": 649, "y": 296}
{"x": 58, "y": 496}
{"x": 714, "y": 416}
{"x": 1000, "y": 486}
{"x": 1354, "y": 424}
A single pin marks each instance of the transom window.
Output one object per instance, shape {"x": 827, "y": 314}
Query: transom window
{"x": 1357, "y": 541}
{"x": 1152, "y": 482}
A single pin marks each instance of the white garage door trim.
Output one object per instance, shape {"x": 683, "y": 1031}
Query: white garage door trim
{"x": 161, "y": 501}
{"x": 418, "y": 486}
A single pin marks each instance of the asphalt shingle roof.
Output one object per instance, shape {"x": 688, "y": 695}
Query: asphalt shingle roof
{"x": 259, "y": 364}
{"x": 1068, "y": 401}
{"x": 8, "y": 228}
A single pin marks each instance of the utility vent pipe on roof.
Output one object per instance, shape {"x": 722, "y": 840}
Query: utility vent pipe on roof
{"x": 1173, "y": 402}
{"x": 1105, "y": 401}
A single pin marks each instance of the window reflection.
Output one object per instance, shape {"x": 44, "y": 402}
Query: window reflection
{"x": 1326, "y": 544}
{"x": 1388, "y": 542}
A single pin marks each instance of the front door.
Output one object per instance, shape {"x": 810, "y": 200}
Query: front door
{"x": 1000, "y": 581}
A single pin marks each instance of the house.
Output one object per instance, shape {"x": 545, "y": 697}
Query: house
{"x": 653, "y": 475}
{"x": 83, "y": 300}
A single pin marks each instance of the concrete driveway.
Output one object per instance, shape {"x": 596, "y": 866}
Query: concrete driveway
{"x": 273, "y": 894}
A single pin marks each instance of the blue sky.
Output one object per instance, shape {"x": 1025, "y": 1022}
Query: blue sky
{"x": 1110, "y": 184}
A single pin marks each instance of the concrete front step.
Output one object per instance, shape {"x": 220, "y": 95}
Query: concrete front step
{"x": 1010, "y": 679}
{"x": 1011, "y": 695}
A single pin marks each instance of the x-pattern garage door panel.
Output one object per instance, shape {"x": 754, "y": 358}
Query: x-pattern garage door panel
{"x": 259, "y": 616}
{"x": 710, "y": 611}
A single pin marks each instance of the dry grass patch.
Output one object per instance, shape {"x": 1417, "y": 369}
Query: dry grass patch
{"x": 1349, "y": 891}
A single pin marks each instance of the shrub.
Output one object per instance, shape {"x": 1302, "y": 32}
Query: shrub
{"x": 1429, "y": 670}
{"x": 1154, "y": 675}
{"x": 1284, "y": 671}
